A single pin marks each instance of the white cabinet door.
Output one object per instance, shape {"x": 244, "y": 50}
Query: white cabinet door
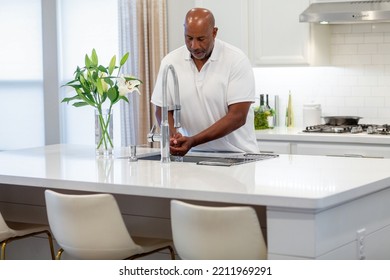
{"x": 278, "y": 38}
{"x": 274, "y": 147}
{"x": 345, "y": 150}
{"x": 231, "y": 18}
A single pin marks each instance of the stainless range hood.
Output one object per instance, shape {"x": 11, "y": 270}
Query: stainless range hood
{"x": 347, "y": 12}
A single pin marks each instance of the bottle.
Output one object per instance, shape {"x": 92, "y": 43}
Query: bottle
{"x": 289, "y": 112}
{"x": 262, "y": 107}
{"x": 260, "y": 115}
{"x": 269, "y": 112}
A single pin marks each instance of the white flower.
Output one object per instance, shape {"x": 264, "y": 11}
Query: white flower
{"x": 127, "y": 84}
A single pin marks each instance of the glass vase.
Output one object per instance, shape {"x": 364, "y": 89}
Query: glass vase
{"x": 104, "y": 140}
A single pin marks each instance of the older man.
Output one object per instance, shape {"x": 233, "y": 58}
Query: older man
{"x": 217, "y": 88}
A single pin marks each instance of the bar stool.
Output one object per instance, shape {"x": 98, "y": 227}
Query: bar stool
{"x": 91, "y": 227}
{"x": 11, "y": 231}
{"x": 222, "y": 233}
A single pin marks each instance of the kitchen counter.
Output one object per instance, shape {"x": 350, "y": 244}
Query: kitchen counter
{"x": 302, "y": 194}
{"x": 297, "y": 134}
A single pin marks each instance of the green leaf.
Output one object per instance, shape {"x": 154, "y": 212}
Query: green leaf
{"x": 108, "y": 81}
{"x": 111, "y": 67}
{"x": 88, "y": 63}
{"x": 68, "y": 99}
{"x": 80, "y": 104}
{"x": 99, "y": 86}
{"x": 124, "y": 59}
{"x": 94, "y": 58}
{"x": 124, "y": 98}
{"x": 113, "y": 95}
{"x": 101, "y": 68}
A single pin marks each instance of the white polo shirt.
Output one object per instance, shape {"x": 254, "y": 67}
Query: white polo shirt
{"x": 226, "y": 78}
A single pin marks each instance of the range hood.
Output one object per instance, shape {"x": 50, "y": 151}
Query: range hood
{"x": 347, "y": 12}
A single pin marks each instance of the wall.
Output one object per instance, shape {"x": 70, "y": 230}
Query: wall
{"x": 356, "y": 84}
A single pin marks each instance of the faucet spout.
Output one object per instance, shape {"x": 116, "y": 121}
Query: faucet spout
{"x": 165, "y": 134}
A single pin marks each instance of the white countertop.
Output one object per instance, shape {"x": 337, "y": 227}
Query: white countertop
{"x": 297, "y": 134}
{"x": 297, "y": 181}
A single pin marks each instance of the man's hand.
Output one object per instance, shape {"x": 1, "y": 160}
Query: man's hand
{"x": 180, "y": 145}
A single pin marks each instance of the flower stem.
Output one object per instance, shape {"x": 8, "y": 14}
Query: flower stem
{"x": 105, "y": 136}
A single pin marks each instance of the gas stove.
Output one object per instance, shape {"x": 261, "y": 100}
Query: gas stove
{"x": 383, "y": 129}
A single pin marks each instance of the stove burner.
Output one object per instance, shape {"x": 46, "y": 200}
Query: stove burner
{"x": 352, "y": 129}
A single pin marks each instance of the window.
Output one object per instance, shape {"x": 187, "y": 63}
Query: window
{"x": 85, "y": 25}
{"x": 82, "y": 25}
{"x": 21, "y": 94}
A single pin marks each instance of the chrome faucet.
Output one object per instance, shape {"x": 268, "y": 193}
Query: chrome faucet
{"x": 165, "y": 135}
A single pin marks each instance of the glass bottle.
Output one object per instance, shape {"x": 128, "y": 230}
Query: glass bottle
{"x": 269, "y": 113}
{"x": 261, "y": 121}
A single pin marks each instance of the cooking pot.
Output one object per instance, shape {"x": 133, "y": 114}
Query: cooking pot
{"x": 341, "y": 120}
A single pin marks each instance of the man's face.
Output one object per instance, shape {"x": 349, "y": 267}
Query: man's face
{"x": 199, "y": 39}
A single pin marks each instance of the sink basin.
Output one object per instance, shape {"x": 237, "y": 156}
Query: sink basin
{"x": 215, "y": 160}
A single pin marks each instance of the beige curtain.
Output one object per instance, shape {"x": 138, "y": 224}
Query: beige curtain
{"x": 143, "y": 33}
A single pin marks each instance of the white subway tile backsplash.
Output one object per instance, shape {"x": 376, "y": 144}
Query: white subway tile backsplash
{"x": 360, "y": 91}
{"x": 354, "y": 101}
{"x": 362, "y": 59}
{"x": 380, "y": 91}
{"x": 353, "y": 38}
{"x": 384, "y": 48}
{"x": 341, "y": 28}
{"x": 365, "y": 81}
{"x": 367, "y": 48}
{"x": 374, "y": 70}
{"x": 339, "y": 60}
{"x": 356, "y": 83}
{"x": 382, "y": 27}
{"x": 382, "y": 59}
{"x": 348, "y": 80}
{"x": 367, "y": 113}
{"x": 361, "y": 28}
{"x": 346, "y": 49}
{"x": 386, "y": 37}
{"x": 373, "y": 38}
{"x": 375, "y": 102}
{"x": 337, "y": 39}
{"x": 348, "y": 111}
{"x": 384, "y": 81}
{"x": 352, "y": 70}
{"x": 335, "y": 101}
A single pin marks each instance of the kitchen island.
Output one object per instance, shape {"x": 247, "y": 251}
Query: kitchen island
{"x": 316, "y": 207}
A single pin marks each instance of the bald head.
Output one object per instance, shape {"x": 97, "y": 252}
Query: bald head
{"x": 200, "y": 33}
{"x": 200, "y": 16}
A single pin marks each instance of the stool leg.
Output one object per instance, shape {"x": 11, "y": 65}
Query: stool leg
{"x": 50, "y": 238}
{"x": 2, "y": 254}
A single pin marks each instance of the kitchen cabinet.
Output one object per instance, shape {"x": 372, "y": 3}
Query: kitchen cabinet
{"x": 325, "y": 149}
{"x": 272, "y": 147}
{"x": 232, "y": 22}
{"x": 276, "y": 37}
{"x": 268, "y": 31}
{"x": 344, "y": 150}
{"x": 282, "y": 140}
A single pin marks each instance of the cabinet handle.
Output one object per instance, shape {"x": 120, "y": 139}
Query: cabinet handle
{"x": 353, "y": 155}
{"x": 267, "y": 152}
